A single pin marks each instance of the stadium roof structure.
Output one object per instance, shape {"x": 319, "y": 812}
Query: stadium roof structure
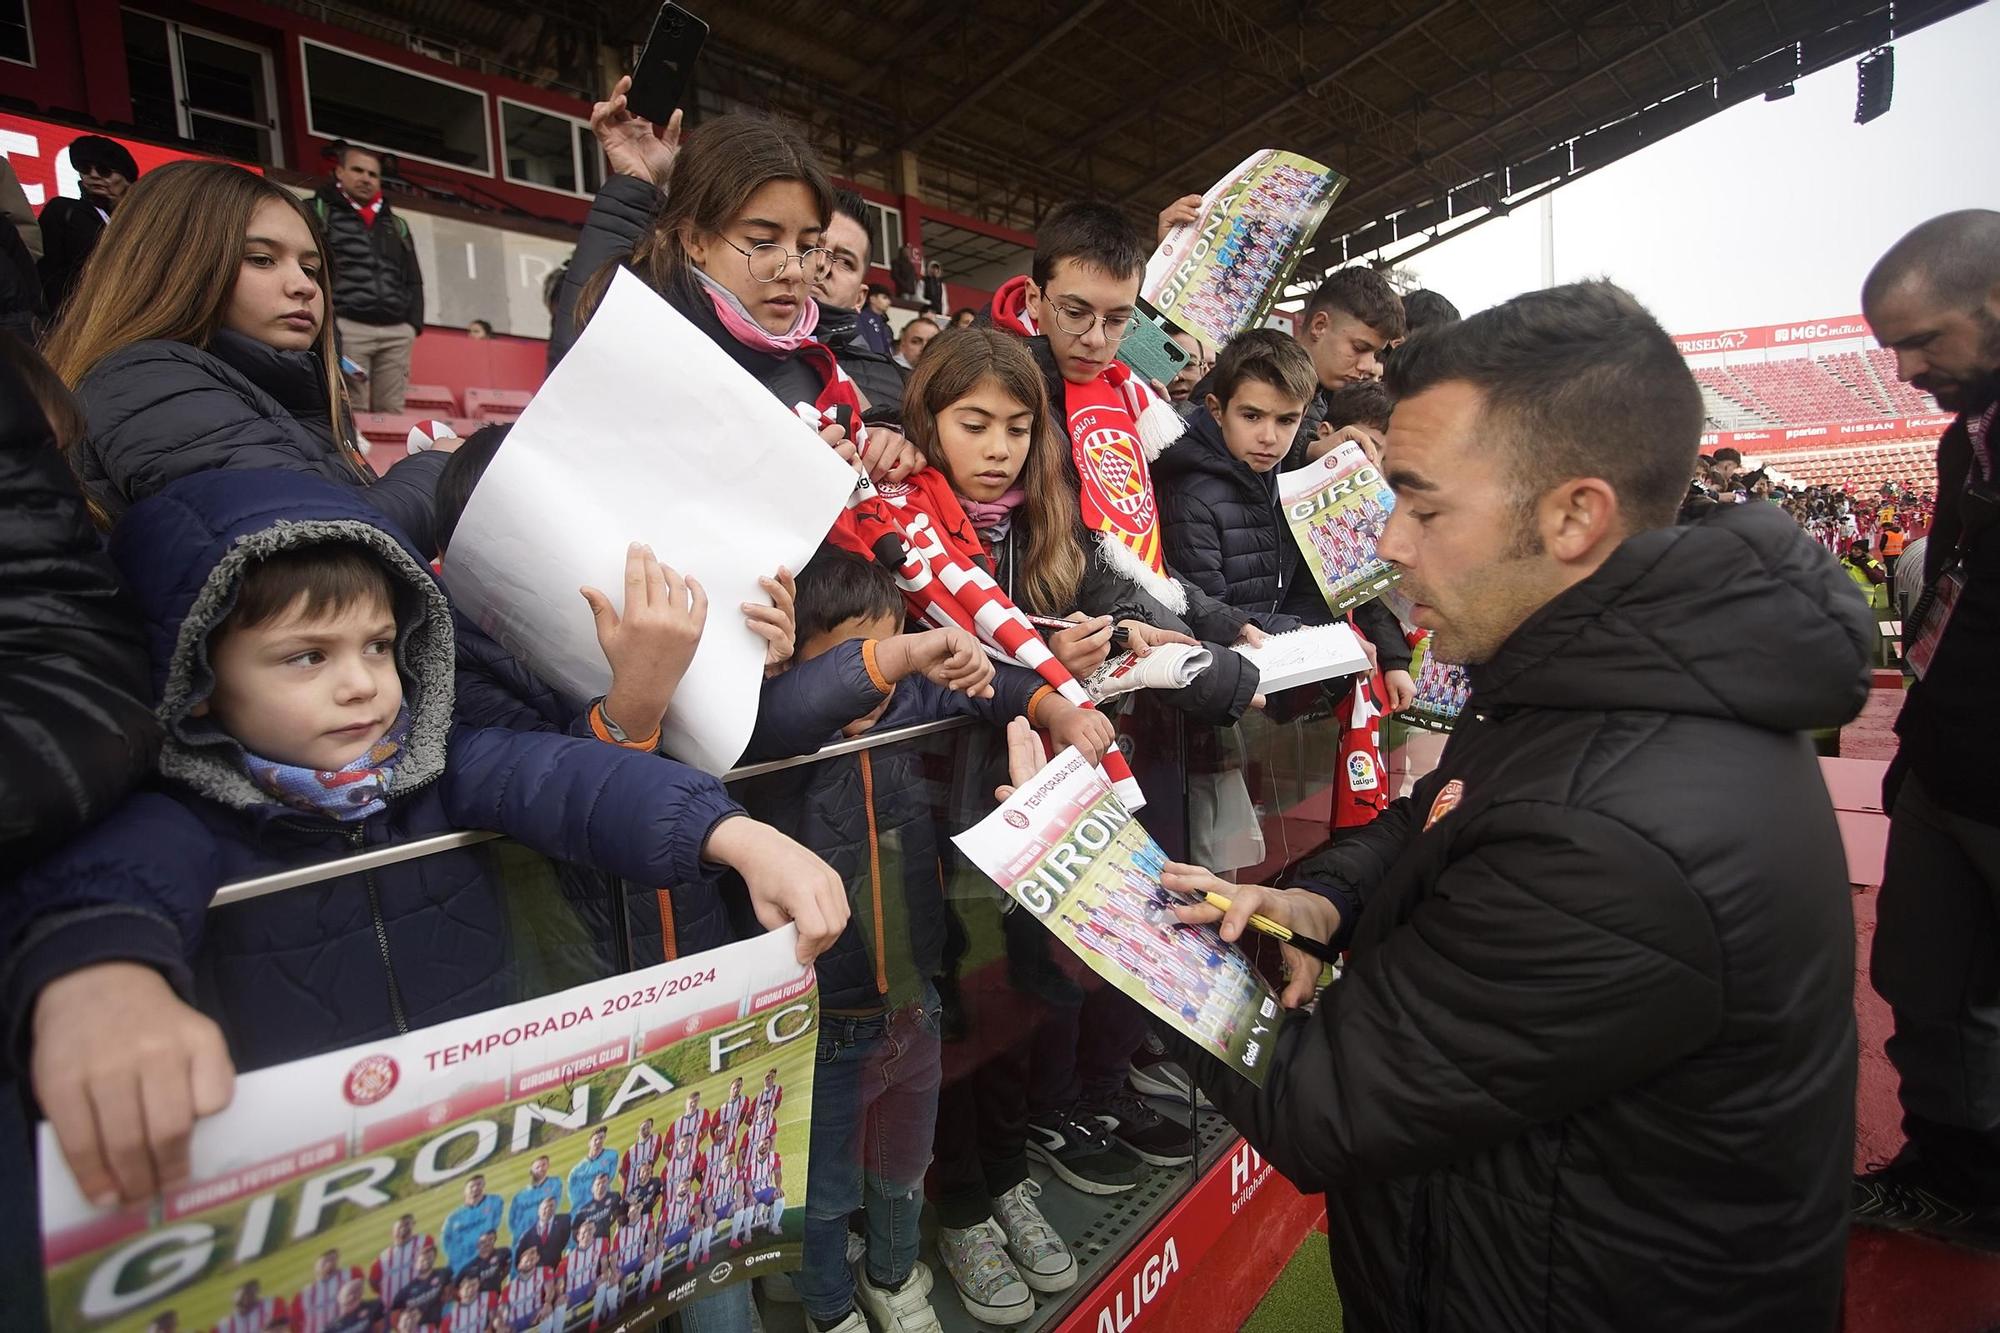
{"x": 1441, "y": 112}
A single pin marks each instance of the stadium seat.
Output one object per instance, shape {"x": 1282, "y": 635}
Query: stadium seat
{"x": 431, "y": 399}
{"x": 496, "y": 404}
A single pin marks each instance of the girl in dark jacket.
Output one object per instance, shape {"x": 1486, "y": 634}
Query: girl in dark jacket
{"x": 979, "y": 411}
{"x": 734, "y": 247}
{"x": 201, "y": 338}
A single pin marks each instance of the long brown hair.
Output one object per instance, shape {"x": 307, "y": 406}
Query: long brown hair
{"x": 721, "y": 164}
{"x": 166, "y": 266}
{"x": 953, "y": 365}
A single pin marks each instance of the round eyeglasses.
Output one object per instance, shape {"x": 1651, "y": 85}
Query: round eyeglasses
{"x": 767, "y": 262}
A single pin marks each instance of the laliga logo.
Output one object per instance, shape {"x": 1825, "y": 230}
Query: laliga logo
{"x": 1015, "y": 819}
{"x": 721, "y": 1272}
{"x": 372, "y": 1079}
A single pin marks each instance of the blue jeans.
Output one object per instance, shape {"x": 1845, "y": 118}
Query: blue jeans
{"x": 875, "y": 1095}
{"x": 727, "y": 1311}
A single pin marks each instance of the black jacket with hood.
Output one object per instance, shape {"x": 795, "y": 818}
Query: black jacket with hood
{"x": 1591, "y": 1063}
{"x": 160, "y": 410}
{"x": 359, "y": 956}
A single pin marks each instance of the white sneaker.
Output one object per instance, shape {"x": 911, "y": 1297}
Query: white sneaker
{"x": 989, "y": 1284}
{"x": 854, "y": 1323}
{"x": 1045, "y": 1262}
{"x": 907, "y": 1309}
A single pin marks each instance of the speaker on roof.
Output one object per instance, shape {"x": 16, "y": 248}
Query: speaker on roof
{"x": 1877, "y": 72}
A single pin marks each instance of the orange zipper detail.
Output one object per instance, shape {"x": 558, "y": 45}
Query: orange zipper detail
{"x": 668, "y": 943}
{"x": 875, "y": 873}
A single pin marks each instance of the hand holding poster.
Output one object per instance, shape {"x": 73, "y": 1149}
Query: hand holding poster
{"x": 1222, "y": 273}
{"x": 720, "y": 478}
{"x": 1336, "y": 506}
{"x": 608, "y": 1152}
{"x": 1064, "y": 847}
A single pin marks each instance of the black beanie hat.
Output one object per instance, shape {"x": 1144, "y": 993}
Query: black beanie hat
{"x": 107, "y": 155}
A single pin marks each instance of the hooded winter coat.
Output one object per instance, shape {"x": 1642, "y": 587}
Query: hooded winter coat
{"x": 76, "y": 726}
{"x": 869, "y": 815}
{"x": 364, "y": 955}
{"x": 1591, "y": 1063}
{"x": 1222, "y": 527}
{"x": 161, "y": 410}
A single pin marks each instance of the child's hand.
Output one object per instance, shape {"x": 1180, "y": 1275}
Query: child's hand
{"x": 1083, "y": 648}
{"x": 1179, "y": 213}
{"x": 1251, "y": 636}
{"x": 633, "y": 146}
{"x": 1402, "y": 690}
{"x": 649, "y": 648}
{"x": 123, "y": 1069}
{"x": 950, "y": 657}
{"x": 1145, "y": 638}
{"x": 890, "y": 457}
{"x": 786, "y": 881}
{"x": 1087, "y": 729}
{"x": 1026, "y": 756}
{"x": 775, "y": 624}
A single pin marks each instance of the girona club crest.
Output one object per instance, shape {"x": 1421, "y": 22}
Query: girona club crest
{"x": 371, "y": 1080}
{"x": 1114, "y": 474}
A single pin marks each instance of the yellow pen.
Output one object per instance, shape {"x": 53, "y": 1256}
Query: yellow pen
{"x": 1285, "y": 934}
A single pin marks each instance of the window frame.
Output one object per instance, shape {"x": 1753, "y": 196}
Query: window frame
{"x": 892, "y": 218}
{"x": 486, "y": 120}
{"x": 177, "y": 70}
{"x": 581, "y": 141}
{"x": 27, "y": 26}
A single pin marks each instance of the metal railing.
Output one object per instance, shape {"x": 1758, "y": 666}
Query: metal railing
{"x": 376, "y": 858}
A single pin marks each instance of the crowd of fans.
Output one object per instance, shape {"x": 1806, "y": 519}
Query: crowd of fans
{"x": 264, "y": 653}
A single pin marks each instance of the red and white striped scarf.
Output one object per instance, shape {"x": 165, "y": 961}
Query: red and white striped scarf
{"x": 920, "y": 532}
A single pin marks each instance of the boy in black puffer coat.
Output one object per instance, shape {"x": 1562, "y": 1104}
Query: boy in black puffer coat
{"x": 869, "y": 816}
{"x": 303, "y": 657}
{"x": 1219, "y": 513}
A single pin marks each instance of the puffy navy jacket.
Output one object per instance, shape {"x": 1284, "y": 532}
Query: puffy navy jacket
{"x": 372, "y": 266}
{"x": 868, "y": 815}
{"x": 160, "y": 410}
{"x": 496, "y": 690}
{"x": 358, "y": 957}
{"x": 1223, "y": 530}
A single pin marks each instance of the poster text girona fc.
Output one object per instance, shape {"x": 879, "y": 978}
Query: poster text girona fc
{"x": 593, "y": 1159}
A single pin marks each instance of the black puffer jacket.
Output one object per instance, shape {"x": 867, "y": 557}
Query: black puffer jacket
{"x": 1222, "y": 527}
{"x": 879, "y": 378}
{"x": 161, "y": 410}
{"x": 1591, "y": 1064}
{"x": 76, "y": 717}
{"x": 373, "y": 268}
{"x": 870, "y": 815}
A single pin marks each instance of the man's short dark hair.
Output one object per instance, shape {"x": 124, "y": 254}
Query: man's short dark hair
{"x": 342, "y": 150}
{"x": 1363, "y": 293}
{"x": 461, "y": 472}
{"x": 1955, "y": 255}
{"x": 1726, "y": 455}
{"x": 837, "y": 586}
{"x": 877, "y": 289}
{"x": 1581, "y": 381}
{"x": 1269, "y": 357}
{"x": 1095, "y": 235}
{"x": 1362, "y": 403}
{"x": 1423, "y": 309}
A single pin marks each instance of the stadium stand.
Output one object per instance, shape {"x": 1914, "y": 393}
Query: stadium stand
{"x": 1840, "y": 386}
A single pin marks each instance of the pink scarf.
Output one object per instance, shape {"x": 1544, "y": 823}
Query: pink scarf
{"x": 992, "y": 518}
{"x": 748, "y": 331}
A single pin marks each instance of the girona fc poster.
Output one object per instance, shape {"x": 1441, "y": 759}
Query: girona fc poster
{"x": 592, "y": 1159}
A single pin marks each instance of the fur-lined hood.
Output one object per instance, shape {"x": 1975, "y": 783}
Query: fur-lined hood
{"x": 183, "y": 553}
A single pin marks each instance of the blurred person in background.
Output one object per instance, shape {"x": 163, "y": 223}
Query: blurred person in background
{"x": 377, "y": 285}
{"x": 71, "y": 227}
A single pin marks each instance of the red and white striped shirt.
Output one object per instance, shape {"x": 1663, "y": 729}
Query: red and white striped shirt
{"x": 396, "y": 1267}
{"x": 765, "y": 1111}
{"x": 730, "y": 1115}
{"x": 645, "y": 1151}
{"x": 471, "y": 1316}
{"x": 259, "y": 1318}
{"x": 630, "y": 1242}
{"x": 763, "y": 1171}
{"x": 577, "y": 1277}
{"x": 528, "y": 1291}
{"x": 680, "y": 1204}
{"x": 319, "y": 1301}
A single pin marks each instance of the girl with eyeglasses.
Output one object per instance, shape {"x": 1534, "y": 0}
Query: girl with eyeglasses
{"x": 734, "y": 247}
